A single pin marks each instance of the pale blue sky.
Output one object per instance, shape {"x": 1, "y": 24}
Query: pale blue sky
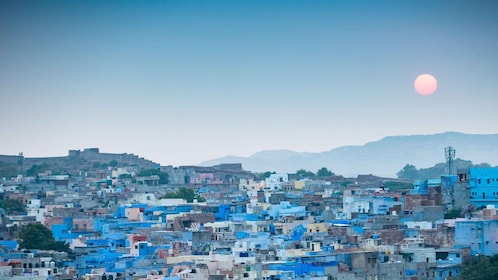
{"x": 180, "y": 82}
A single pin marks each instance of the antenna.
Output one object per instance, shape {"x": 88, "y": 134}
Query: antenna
{"x": 450, "y": 158}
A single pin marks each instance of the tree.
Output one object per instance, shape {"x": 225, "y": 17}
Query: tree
{"x": 482, "y": 165}
{"x": 37, "y": 236}
{"x": 35, "y": 169}
{"x": 301, "y": 173}
{"x": 163, "y": 176}
{"x": 188, "y": 194}
{"x": 125, "y": 176}
{"x": 113, "y": 163}
{"x": 324, "y": 172}
{"x": 481, "y": 268}
{"x": 12, "y": 205}
{"x": 267, "y": 174}
{"x": 408, "y": 172}
{"x": 346, "y": 183}
{"x": 100, "y": 165}
{"x": 452, "y": 214}
{"x": 397, "y": 185}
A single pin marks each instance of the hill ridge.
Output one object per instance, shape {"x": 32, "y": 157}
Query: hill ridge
{"x": 384, "y": 157}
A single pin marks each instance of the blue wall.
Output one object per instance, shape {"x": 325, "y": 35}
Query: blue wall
{"x": 483, "y": 183}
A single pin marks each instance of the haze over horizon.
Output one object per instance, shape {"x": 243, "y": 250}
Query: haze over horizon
{"x": 182, "y": 82}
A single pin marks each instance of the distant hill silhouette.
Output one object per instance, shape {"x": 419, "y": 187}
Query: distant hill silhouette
{"x": 382, "y": 158}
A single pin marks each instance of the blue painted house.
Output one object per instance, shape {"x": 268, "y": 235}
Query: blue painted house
{"x": 478, "y": 235}
{"x": 483, "y": 183}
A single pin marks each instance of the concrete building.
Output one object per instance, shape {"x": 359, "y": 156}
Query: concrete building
{"x": 274, "y": 182}
{"x": 477, "y": 234}
{"x": 483, "y": 185}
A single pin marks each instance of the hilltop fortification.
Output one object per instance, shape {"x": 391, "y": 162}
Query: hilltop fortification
{"x": 80, "y": 160}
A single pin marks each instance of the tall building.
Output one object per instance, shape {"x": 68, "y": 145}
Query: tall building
{"x": 483, "y": 186}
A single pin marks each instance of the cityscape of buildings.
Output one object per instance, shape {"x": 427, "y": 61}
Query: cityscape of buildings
{"x": 121, "y": 220}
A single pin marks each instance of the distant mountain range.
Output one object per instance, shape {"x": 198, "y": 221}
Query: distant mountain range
{"x": 384, "y": 157}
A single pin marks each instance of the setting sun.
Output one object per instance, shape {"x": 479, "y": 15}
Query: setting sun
{"x": 425, "y": 84}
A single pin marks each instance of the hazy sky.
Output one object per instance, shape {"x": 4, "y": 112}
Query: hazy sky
{"x": 180, "y": 82}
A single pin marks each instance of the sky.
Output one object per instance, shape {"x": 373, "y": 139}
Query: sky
{"x": 181, "y": 82}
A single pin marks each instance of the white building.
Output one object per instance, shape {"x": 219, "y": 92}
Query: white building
{"x": 274, "y": 182}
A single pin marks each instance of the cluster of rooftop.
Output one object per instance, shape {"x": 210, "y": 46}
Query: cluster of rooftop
{"x": 248, "y": 227}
